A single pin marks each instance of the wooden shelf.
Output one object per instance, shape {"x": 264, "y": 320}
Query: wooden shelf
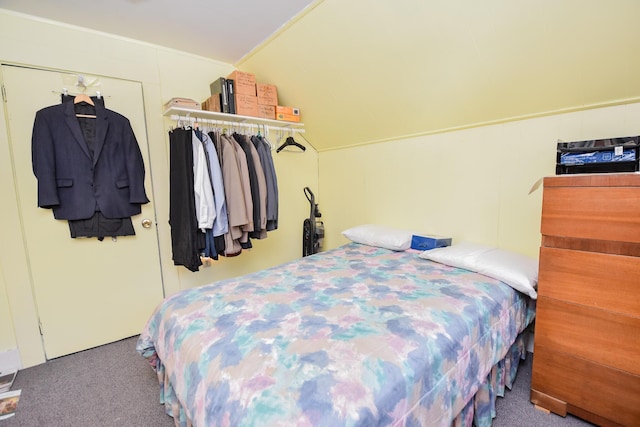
{"x": 223, "y": 117}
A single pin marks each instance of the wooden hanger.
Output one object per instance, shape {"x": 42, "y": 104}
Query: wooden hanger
{"x": 83, "y": 97}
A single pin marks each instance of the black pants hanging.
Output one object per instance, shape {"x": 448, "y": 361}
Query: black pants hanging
{"x": 187, "y": 241}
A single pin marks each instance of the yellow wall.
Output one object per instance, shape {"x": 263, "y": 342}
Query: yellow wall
{"x": 7, "y": 340}
{"x": 440, "y": 116}
{"x": 164, "y": 74}
{"x": 471, "y": 184}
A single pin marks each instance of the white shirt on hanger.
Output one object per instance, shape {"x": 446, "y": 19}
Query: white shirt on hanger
{"x": 205, "y": 204}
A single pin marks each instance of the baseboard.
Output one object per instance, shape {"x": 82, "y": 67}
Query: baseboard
{"x": 10, "y": 360}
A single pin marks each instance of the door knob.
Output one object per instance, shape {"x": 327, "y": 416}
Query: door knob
{"x": 146, "y": 223}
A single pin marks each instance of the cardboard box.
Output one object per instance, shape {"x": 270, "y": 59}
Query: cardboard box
{"x": 245, "y": 83}
{"x": 287, "y": 114}
{"x": 266, "y": 111}
{"x": 212, "y": 103}
{"x": 267, "y": 94}
{"x": 183, "y": 103}
{"x": 292, "y": 111}
{"x": 426, "y": 242}
{"x": 287, "y": 118}
{"x": 246, "y": 105}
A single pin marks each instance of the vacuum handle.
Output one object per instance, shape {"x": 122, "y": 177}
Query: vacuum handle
{"x": 315, "y": 212}
{"x": 310, "y": 197}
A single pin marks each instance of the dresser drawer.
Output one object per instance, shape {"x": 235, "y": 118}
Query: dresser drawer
{"x": 591, "y": 212}
{"x": 610, "y": 393}
{"x": 598, "y": 335}
{"x": 608, "y": 282}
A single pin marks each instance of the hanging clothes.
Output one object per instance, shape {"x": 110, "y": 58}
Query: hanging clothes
{"x": 187, "y": 241}
{"x": 264, "y": 152}
{"x": 89, "y": 167}
{"x": 237, "y": 210}
{"x": 261, "y": 231}
{"x": 245, "y": 178}
{"x": 257, "y": 185}
{"x": 221, "y": 224}
{"x": 203, "y": 190}
{"x": 100, "y": 226}
{"x": 223, "y": 194}
{"x": 221, "y": 221}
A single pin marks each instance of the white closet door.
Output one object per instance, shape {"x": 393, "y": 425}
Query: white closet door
{"x": 87, "y": 292}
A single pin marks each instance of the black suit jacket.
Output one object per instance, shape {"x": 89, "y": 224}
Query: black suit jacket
{"x": 75, "y": 184}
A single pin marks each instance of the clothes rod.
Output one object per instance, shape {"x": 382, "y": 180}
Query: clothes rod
{"x": 224, "y": 123}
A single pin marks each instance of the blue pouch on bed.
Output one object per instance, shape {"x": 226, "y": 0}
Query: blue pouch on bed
{"x": 423, "y": 243}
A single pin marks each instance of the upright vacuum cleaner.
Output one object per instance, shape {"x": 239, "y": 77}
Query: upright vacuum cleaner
{"x": 313, "y": 229}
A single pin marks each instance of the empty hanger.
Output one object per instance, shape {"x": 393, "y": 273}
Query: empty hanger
{"x": 292, "y": 142}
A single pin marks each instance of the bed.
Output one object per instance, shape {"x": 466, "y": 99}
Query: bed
{"x": 355, "y": 336}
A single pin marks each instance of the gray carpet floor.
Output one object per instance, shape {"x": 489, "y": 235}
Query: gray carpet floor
{"x": 113, "y": 385}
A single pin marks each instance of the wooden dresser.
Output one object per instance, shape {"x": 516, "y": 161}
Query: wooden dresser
{"x": 587, "y": 335}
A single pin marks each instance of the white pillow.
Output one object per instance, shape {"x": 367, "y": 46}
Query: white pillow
{"x": 380, "y": 236}
{"x": 463, "y": 255}
{"x": 516, "y": 270}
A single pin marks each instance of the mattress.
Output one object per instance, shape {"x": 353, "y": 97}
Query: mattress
{"x": 355, "y": 336}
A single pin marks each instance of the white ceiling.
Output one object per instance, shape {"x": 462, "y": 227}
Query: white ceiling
{"x": 224, "y": 30}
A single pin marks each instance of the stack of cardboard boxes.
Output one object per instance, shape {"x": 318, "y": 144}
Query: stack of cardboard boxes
{"x": 245, "y": 98}
{"x": 267, "y": 100}
{"x": 239, "y": 93}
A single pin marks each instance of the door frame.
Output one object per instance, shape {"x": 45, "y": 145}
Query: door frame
{"x": 15, "y": 268}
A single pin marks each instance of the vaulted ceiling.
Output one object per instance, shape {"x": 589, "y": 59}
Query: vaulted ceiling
{"x": 364, "y": 71}
{"x": 384, "y": 70}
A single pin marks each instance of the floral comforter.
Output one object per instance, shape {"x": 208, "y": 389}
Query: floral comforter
{"x": 355, "y": 336}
